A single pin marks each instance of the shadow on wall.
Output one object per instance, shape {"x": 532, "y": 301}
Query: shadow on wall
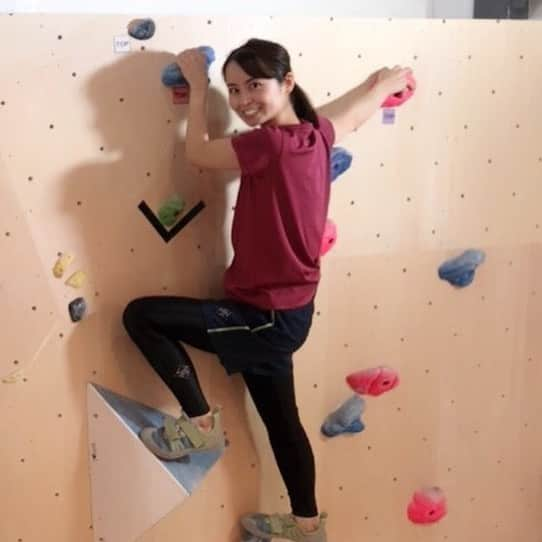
{"x": 140, "y": 156}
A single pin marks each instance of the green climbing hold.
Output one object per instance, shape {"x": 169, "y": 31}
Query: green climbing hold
{"x": 170, "y": 211}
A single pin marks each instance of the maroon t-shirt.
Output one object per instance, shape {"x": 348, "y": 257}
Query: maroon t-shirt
{"x": 280, "y": 214}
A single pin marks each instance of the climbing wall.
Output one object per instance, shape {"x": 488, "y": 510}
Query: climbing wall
{"x": 91, "y": 138}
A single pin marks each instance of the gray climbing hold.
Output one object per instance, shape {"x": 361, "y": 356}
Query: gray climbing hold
{"x": 346, "y": 419}
{"x": 77, "y": 309}
{"x": 142, "y": 29}
{"x": 248, "y": 537}
{"x": 460, "y": 271}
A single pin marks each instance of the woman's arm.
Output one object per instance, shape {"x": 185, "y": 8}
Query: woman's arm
{"x": 200, "y": 151}
{"x": 355, "y": 107}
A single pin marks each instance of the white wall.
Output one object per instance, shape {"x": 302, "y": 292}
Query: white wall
{"x": 462, "y": 9}
{"x": 362, "y": 8}
{"x": 451, "y": 9}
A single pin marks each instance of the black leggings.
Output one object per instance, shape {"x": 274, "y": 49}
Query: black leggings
{"x": 157, "y": 324}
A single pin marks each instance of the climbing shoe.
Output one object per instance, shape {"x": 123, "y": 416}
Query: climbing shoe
{"x": 282, "y": 526}
{"x": 179, "y": 437}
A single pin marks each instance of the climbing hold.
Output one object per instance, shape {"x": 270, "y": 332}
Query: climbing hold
{"x": 341, "y": 160}
{"x": 374, "y": 381}
{"x": 346, "y": 419}
{"x": 395, "y": 100}
{"x": 13, "y": 378}
{"x": 428, "y": 505}
{"x": 329, "y": 238}
{"x": 249, "y": 537}
{"x": 61, "y": 264}
{"x": 170, "y": 211}
{"x": 77, "y": 309}
{"x": 77, "y": 280}
{"x": 142, "y": 29}
{"x": 172, "y": 75}
{"x": 460, "y": 271}
{"x": 180, "y": 94}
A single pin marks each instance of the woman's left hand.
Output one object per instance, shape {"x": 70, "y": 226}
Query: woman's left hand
{"x": 194, "y": 68}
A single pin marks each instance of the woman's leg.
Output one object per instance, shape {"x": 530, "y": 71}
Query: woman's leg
{"x": 156, "y": 325}
{"x": 274, "y": 398}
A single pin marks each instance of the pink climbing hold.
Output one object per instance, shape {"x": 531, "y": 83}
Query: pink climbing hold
{"x": 395, "y": 100}
{"x": 330, "y": 237}
{"x": 373, "y": 381}
{"x": 427, "y": 506}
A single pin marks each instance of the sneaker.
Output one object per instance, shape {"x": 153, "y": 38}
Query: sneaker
{"x": 179, "y": 437}
{"x": 267, "y": 527}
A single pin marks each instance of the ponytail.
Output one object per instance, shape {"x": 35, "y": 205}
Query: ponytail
{"x": 303, "y": 107}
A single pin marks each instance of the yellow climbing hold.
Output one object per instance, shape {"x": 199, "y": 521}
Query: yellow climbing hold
{"x": 61, "y": 264}
{"x": 13, "y": 378}
{"x": 77, "y": 280}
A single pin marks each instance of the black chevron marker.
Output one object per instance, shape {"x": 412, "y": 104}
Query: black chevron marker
{"x": 168, "y": 235}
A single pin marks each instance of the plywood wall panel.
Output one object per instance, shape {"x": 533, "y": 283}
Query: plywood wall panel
{"x": 87, "y": 134}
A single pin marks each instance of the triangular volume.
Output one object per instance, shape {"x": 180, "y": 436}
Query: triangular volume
{"x": 131, "y": 488}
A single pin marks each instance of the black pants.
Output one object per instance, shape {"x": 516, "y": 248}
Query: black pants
{"x": 157, "y": 324}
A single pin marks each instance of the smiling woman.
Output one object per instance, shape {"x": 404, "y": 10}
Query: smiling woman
{"x": 267, "y": 312}
{"x": 250, "y": 97}
{"x": 262, "y": 87}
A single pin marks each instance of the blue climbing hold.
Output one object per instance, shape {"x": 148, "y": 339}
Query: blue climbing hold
{"x": 172, "y": 75}
{"x": 341, "y": 160}
{"x": 77, "y": 309}
{"x": 356, "y": 426}
{"x": 142, "y": 29}
{"x": 460, "y": 271}
{"x": 346, "y": 419}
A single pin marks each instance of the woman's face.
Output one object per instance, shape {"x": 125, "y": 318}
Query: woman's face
{"x": 257, "y": 101}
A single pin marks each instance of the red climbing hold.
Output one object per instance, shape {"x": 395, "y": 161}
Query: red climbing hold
{"x": 330, "y": 237}
{"x": 395, "y": 100}
{"x": 427, "y": 506}
{"x": 374, "y": 381}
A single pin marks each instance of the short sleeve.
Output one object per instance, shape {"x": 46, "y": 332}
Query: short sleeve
{"x": 257, "y": 149}
{"x": 327, "y": 130}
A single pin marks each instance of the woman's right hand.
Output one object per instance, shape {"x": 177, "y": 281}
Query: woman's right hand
{"x": 393, "y": 81}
